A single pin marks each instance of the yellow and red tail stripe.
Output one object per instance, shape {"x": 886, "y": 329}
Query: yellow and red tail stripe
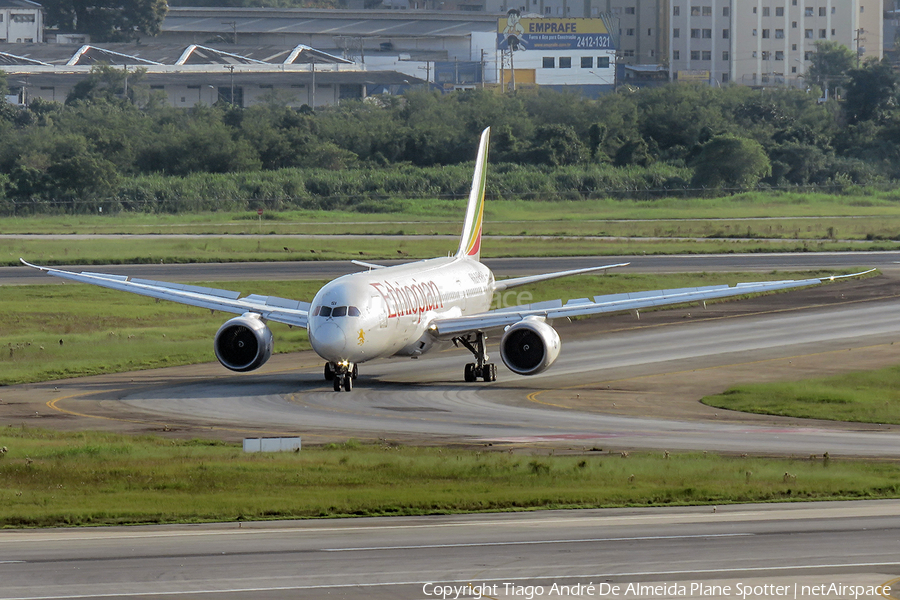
{"x": 470, "y": 243}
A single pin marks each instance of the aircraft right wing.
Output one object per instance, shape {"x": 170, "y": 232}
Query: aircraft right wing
{"x": 555, "y": 309}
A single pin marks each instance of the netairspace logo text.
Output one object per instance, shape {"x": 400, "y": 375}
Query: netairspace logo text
{"x": 476, "y": 591}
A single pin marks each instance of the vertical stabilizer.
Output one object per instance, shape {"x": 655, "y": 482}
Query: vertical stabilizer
{"x": 470, "y": 242}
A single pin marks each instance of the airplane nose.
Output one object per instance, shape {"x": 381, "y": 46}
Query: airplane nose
{"x": 328, "y": 340}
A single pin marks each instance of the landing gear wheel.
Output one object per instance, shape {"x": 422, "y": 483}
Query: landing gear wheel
{"x": 481, "y": 368}
{"x": 329, "y": 372}
{"x": 337, "y": 383}
{"x": 348, "y": 383}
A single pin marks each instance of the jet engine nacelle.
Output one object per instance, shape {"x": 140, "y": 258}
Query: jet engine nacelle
{"x": 530, "y": 346}
{"x": 244, "y": 343}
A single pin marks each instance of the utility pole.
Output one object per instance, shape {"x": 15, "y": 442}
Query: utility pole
{"x": 859, "y": 38}
{"x": 231, "y": 68}
{"x": 233, "y": 25}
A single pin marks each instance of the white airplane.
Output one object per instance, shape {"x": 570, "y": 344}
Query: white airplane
{"x": 409, "y": 309}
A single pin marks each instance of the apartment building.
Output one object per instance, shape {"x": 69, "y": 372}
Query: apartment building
{"x": 765, "y": 42}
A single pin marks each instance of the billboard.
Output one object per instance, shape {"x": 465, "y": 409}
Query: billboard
{"x": 517, "y": 33}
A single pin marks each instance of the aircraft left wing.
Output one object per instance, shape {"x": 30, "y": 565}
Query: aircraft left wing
{"x": 270, "y": 308}
{"x": 555, "y": 309}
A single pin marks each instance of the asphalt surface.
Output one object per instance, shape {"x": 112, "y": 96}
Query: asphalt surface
{"x": 732, "y": 551}
{"x": 426, "y": 399}
{"x": 502, "y": 267}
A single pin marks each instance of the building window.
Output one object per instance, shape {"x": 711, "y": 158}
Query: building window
{"x": 21, "y": 18}
{"x": 793, "y": 47}
{"x": 629, "y": 10}
{"x": 725, "y": 12}
{"x": 793, "y": 24}
{"x": 695, "y": 11}
{"x": 754, "y": 10}
{"x": 822, "y": 34}
{"x": 832, "y": 32}
{"x": 779, "y": 11}
{"x": 726, "y": 56}
{"x": 765, "y": 11}
{"x": 695, "y": 33}
{"x": 779, "y": 55}
{"x": 766, "y": 55}
{"x": 726, "y": 33}
{"x": 822, "y": 10}
{"x": 676, "y": 55}
{"x": 707, "y": 55}
{"x": 587, "y": 62}
{"x": 548, "y": 10}
{"x": 707, "y": 34}
{"x": 807, "y": 55}
{"x": 808, "y": 34}
{"x": 602, "y": 62}
{"x": 649, "y": 31}
{"x": 695, "y": 55}
{"x": 725, "y": 78}
{"x": 565, "y": 62}
{"x": 707, "y": 11}
{"x": 754, "y": 33}
{"x": 548, "y": 62}
{"x": 676, "y": 11}
{"x": 676, "y": 33}
{"x": 808, "y": 11}
{"x": 629, "y": 31}
{"x": 779, "y": 34}
{"x": 765, "y": 34}
{"x": 628, "y": 53}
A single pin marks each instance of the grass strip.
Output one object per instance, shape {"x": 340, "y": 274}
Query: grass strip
{"x": 91, "y": 478}
{"x": 274, "y": 248}
{"x": 60, "y": 331}
{"x": 864, "y": 397}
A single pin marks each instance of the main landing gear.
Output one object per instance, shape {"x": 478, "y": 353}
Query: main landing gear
{"x": 480, "y": 369}
{"x": 342, "y": 375}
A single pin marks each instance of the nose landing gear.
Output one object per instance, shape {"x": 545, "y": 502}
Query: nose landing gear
{"x": 342, "y": 375}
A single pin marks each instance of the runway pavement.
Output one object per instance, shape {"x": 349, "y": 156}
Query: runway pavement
{"x": 742, "y": 551}
{"x": 426, "y": 399}
{"x": 502, "y": 267}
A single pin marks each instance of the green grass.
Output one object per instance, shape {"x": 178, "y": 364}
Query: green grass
{"x": 86, "y": 478}
{"x": 105, "y": 331}
{"x": 867, "y": 397}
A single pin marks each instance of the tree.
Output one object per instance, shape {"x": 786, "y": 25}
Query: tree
{"x": 106, "y": 20}
{"x": 831, "y": 62}
{"x": 729, "y": 161}
{"x": 870, "y": 91}
{"x": 109, "y": 83}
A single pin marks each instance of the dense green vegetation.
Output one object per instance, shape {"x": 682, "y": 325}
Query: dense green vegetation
{"x": 867, "y": 397}
{"x": 116, "y": 151}
{"x": 86, "y": 478}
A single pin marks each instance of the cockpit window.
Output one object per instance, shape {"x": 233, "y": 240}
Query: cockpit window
{"x": 339, "y": 311}
{"x": 353, "y": 311}
{"x": 325, "y": 312}
{"x": 315, "y": 313}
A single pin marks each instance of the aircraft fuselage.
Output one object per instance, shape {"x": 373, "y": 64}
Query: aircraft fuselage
{"x": 387, "y": 312}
